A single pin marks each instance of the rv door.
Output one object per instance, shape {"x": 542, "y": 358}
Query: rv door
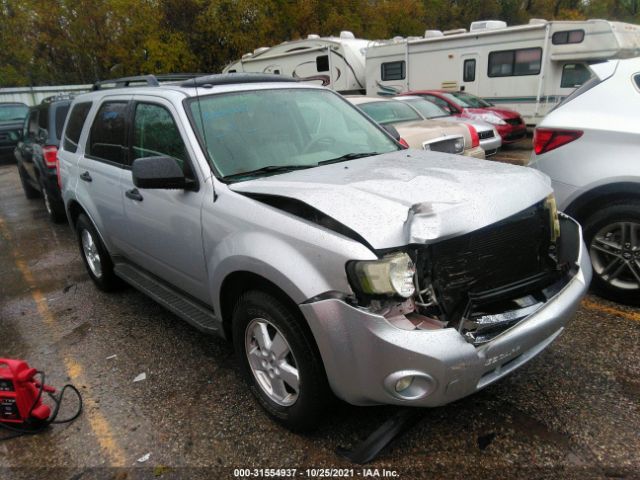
{"x": 470, "y": 73}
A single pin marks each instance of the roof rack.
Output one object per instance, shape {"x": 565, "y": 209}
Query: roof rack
{"x": 58, "y": 97}
{"x": 232, "y": 78}
{"x": 148, "y": 80}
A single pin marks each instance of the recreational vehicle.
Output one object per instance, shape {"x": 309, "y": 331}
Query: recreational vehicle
{"x": 334, "y": 62}
{"x": 528, "y": 68}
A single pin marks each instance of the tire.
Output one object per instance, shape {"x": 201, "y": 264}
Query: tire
{"x": 95, "y": 256}
{"x": 54, "y": 209}
{"x": 612, "y": 235}
{"x": 260, "y": 313}
{"x": 29, "y": 191}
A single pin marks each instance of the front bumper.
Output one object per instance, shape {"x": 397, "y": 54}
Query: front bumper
{"x": 364, "y": 355}
{"x": 512, "y": 133}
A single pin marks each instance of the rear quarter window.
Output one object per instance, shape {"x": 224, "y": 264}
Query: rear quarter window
{"x": 636, "y": 79}
{"x": 76, "y": 121}
{"x": 60, "y": 117}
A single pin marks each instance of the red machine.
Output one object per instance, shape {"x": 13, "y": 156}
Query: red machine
{"x": 21, "y": 395}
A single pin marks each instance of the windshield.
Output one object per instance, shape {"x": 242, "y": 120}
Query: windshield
{"x": 428, "y": 109}
{"x": 390, "y": 112}
{"x": 267, "y": 129}
{"x": 12, "y": 112}
{"x": 466, "y": 100}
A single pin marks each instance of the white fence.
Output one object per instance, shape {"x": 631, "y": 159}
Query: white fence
{"x": 34, "y": 95}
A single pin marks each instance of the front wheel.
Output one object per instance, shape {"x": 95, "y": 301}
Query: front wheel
{"x": 613, "y": 237}
{"x": 279, "y": 359}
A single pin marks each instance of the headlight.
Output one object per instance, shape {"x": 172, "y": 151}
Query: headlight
{"x": 392, "y": 275}
{"x": 490, "y": 117}
{"x": 554, "y": 220}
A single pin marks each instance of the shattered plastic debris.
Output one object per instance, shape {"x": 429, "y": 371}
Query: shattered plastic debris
{"x": 144, "y": 458}
{"x": 141, "y": 377}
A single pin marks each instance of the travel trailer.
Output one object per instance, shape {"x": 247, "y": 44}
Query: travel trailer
{"x": 528, "y": 68}
{"x": 335, "y": 62}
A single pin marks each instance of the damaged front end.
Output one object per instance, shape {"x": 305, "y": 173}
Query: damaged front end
{"x": 481, "y": 283}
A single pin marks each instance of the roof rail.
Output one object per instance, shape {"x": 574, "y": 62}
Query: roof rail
{"x": 232, "y": 78}
{"x": 149, "y": 80}
{"x": 59, "y": 96}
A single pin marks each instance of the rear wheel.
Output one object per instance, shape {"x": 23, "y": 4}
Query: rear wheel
{"x": 29, "y": 191}
{"x": 613, "y": 237}
{"x": 280, "y": 361}
{"x": 95, "y": 256}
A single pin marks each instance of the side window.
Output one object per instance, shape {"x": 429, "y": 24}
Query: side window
{"x": 574, "y": 75}
{"x": 76, "y": 121}
{"x": 568, "y": 36}
{"x": 637, "y": 80}
{"x": 155, "y": 134}
{"x": 43, "y": 119}
{"x": 469, "y": 70}
{"x": 107, "y": 135}
{"x": 509, "y": 63}
{"x": 393, "y": 71}
{"x": 322, "y": 63}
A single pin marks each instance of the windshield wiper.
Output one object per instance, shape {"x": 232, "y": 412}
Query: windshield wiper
{"x": 269, "y": 169}
{"x": 348, "y": 156}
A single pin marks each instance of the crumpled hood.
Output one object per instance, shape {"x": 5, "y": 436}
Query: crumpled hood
{"x": 409, "y": 196}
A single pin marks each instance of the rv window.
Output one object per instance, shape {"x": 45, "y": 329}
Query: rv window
{"x": 469, "y": 70}
{"x": 574, "y": 75}
{"x": 509, "y": 63}
{"x": 322, "y": 63}
{"x": 393, "y": 71}
{"x": 568, "y": 36}
{"x": 232, "y": 71}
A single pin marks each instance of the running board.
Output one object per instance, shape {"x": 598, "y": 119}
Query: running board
{"x": 188, "y": 309}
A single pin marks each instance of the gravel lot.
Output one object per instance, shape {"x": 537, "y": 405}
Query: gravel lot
{"x": 574, "y": 411}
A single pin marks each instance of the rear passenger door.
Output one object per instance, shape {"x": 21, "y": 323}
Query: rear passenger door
{"x": 100, "y": 168}
{"x": 164, "y": 233}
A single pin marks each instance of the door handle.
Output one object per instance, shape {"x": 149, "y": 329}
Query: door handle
{"x": 134, "y": 194}
{"x": 86, "y": 176}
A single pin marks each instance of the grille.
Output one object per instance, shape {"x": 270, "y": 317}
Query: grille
{"x": 485, "y": 134}
{"x": 513, "y": 121}
{"x": 450, "y": 145}
{"x": 505, "y": 253}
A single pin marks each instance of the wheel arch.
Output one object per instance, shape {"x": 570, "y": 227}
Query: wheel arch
{"x": 590, "y": 201}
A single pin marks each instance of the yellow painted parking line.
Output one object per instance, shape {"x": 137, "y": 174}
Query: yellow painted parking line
{"x": 97, "y": 421}
{"x": 591, "y": 305}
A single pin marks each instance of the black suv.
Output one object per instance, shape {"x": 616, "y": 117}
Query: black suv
{"x": 11, "y": 119}
{"x": 37, "y": 152}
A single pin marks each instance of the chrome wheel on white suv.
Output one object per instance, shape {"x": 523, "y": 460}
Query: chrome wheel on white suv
{"x": 613, "y": 237}
{"x": 95, "y": 256}
{"x": 91, "y": 254}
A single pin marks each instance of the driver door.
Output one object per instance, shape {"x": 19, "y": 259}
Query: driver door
{"x": 164, "y": 232}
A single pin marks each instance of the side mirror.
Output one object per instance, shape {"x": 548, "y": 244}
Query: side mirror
{"x": 158, "y": 172}
{"x": 391, "y": 130}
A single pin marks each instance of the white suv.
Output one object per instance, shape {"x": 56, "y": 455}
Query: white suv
{"x": 277, "y": 215}
{"x": 590, "y": 147}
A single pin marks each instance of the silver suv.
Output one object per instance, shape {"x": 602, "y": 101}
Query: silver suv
{"x": 275, "y": 214}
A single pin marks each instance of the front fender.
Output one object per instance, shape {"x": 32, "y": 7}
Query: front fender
{"x": 301, "y": 271}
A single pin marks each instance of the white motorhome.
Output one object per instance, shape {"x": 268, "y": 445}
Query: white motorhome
{"x": 335, "y": 62}
{"x": 528, "y": 68}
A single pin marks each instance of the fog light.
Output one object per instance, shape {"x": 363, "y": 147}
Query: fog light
{"x": 403, "y": 384}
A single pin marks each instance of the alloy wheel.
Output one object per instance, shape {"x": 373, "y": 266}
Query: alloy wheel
{"x": 90, "y": 250}
{"x": 615, "y": 255}
{"x": 272, "y": 362}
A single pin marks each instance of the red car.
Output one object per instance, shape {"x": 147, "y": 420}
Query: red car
{"x": 509, "y": 124}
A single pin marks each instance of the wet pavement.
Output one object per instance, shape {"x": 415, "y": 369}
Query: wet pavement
{"x": 574, "y": 411}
